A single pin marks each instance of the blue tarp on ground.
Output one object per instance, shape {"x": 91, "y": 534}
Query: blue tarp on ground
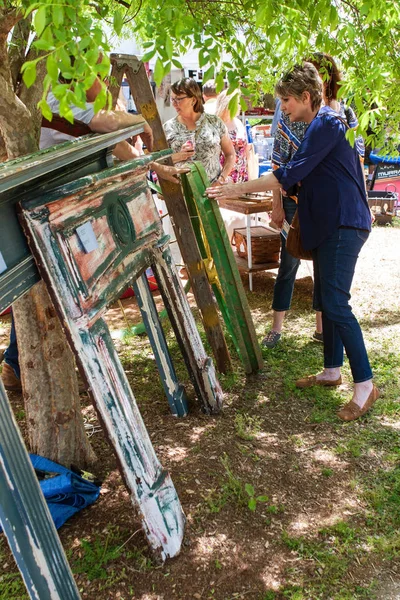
{"x": 66, "y": 492}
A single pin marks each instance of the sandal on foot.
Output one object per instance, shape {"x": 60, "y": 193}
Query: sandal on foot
{"x": 271, "y": 339}
{"x": 311, "y": 380}
{"x": 352, "y": 411}
{"x": 318, "y": 336}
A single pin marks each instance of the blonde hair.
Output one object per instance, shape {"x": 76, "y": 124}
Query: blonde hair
{"x": 302, "y": 78}
{"x": 222, "y": 104}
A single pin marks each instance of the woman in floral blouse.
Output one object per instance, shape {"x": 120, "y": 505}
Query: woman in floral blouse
{"x": 237, "y": 133}
{"x": 198, "y": 135}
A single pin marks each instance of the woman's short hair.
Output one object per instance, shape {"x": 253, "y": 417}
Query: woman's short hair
{"x": 329, "y": 72}
{"x": 188, "y": 87}
{"x": 302, "y": 78}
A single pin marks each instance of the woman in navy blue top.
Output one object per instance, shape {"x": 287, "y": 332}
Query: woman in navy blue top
{"x": 335, "y": 222}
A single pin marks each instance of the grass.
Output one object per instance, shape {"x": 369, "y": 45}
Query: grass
{"x": 247, "y": 427}
{"x": 11, "y": 584}
{"x": 269, "y": 433}
{"x": 233, "y": 490}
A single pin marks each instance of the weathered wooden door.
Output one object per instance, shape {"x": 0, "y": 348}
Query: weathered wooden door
{"x": 91, "y": 239}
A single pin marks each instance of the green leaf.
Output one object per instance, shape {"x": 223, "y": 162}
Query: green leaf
{"x": 29, "y": 74}
{"x": 252, "y": 504}
{"x": 52, "y": 68}
{"x": 179, "y": 28}
{"x": 169, "y": 47}
{"x": 260, "y": 14}
{"x": 149, "y": 55}
{"x": 219, "y": 82}
{"x": 43, "y": 45}
{"x": 364, "y": 120}
{"x": 65, "y": 110}
{"x": 101, "y": 100}
{"x": 84, "y": 43}
{"x": 203, "y": 58}
{"x": 45, "y": 108}
{"x": 249, "y": 489}
{"x": 158, "y": 71}
{"x": 234, "y": 105}
{"x": 39, "y": 20}
{"x": 209, "y": 74}
{"x": 243, "y": 104}
{"x": 118, "y": 21}
{"x": 262, "y": 498}
{"x": 58, "y": 14}
{"x": 177, "y": 64}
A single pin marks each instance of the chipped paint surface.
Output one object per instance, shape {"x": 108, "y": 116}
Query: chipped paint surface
{"x": 129, "y": 239}
{"x": 173, "y": 389}
{"x": 26, "y": 520}
{"x": 221, "y": 268}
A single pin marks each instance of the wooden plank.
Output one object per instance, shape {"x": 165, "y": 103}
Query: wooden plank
{"x": 26, "y": 520}
{"x": 199, "y": 365}
{"x": 174, "y": 391}
{"x": 247, "y": 206}
{"x": 244, "y": 266}
{"x": 172, "y": 193}
{"x": 228, "y": 285}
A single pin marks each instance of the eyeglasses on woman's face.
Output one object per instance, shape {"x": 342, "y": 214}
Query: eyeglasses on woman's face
{"x": 175, "y": 100}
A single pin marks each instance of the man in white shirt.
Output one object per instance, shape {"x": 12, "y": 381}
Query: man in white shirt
{"x": 210, "y": 97}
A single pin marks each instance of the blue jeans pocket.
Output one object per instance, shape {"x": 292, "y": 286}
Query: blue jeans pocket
{"x": 362, "y": 234}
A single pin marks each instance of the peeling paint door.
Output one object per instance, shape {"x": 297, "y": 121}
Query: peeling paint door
{"x": 91, "y": 239}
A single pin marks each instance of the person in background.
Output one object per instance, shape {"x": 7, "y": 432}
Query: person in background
{"x": 335, "y": 222}
{"x": 59, "y": 130}
{"x": 210, "y": 97}
{"x": 197, "y": 135}
{"x": 277, "y": 117}
{"x": 287, "y": 139}
{"x": 238, "y": 135}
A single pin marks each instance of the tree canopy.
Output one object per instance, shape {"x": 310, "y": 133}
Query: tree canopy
{"x": 262, "y": 38}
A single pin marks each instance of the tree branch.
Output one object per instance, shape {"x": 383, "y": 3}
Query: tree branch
{"x": 18, "y": 46}
{"x": 14, "y": 119}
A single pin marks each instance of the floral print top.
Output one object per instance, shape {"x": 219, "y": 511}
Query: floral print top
{"x": 207, "y": 141}
{"x": 238, "y": 137}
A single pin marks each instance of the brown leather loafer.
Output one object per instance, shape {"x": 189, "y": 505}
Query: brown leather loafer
{"x": 10, "y": 380}
{"x": 352, "y": 411}
{"x": 311, "y": 380}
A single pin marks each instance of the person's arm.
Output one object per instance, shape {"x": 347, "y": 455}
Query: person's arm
{"x": 235, "y": 190}
{"x": 278, "y": 214}
{"x": 230, "y": 158}
{"x": 167, "y": 172}
{"x": 107, "y": 121}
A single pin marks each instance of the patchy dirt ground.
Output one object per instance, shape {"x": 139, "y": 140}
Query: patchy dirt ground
{"x": 314, "y": 528}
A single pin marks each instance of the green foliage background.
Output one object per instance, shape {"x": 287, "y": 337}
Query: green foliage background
{"x": 262, "y": 39}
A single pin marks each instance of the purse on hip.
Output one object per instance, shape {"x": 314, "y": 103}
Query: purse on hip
{"x": 293, "y": 241}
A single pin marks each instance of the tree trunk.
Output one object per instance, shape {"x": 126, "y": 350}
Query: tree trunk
{"x": 53, "y": 411}
{"x": 49, "y": 380}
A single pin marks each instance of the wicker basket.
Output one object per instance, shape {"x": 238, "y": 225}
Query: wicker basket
{"x": 265, "y": 244}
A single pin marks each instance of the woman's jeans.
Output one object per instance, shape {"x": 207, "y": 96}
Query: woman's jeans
{"x": 11, "y": 354}
{"x": 284, "y": 283}
{"x": 334, "y": 264}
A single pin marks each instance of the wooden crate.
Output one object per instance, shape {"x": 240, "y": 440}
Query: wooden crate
{"x": 381, "y": 204}
{"x": 265, "y": 244}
